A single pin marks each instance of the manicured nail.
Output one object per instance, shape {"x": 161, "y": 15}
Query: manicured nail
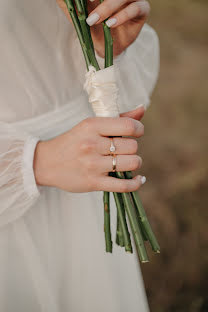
{"x": 143, "y": 179}
{"x": 144, "y": 7}
{"x": 111, "y": 22}
{"x": 92, "y": 19}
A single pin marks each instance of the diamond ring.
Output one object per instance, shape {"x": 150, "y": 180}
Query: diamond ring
{"x": 112, "y": 147}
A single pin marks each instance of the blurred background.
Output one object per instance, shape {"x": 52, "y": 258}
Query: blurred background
{"x": 175, "y": 152}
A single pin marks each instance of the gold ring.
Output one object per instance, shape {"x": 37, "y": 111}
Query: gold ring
{"x": 112, "y": 147}
{"x": 114, "y": 163}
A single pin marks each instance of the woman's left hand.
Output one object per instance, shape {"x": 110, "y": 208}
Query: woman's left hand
{"x": 125, "y": 17}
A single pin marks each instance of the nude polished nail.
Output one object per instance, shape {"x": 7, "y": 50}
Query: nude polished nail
{"x": 143, "y": 179}
{"x": 92, "y": 19}
{"x": 111, "y": 22}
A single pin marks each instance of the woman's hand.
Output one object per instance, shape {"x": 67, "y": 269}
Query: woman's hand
{"x": 125, "y": 17}
{"x": 78, "y": 160}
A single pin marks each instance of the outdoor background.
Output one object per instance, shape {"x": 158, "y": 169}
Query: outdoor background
{"x": 175, "y": 154}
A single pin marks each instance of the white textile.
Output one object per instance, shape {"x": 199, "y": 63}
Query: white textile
{"x": 52, "y": 256}
{"x": 102, "y": 90}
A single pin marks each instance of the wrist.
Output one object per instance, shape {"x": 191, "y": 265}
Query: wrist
{"x": 41, "y": 163}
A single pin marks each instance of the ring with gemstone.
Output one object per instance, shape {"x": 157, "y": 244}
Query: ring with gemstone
{"x": 112, "y": 147}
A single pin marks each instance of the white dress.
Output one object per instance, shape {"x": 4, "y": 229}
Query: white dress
{"x": 52, "y": 248}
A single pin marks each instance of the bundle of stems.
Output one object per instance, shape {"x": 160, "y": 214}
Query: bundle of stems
{"x": 128, "y": 204}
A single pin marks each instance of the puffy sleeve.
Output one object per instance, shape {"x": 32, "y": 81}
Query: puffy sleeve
{"x": 137, "y": 70}
{"x": 18, "y": 188}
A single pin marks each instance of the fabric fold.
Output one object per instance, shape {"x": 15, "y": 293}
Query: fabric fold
{"x": 18, "y": 188}
{"x": 102, "y": 91}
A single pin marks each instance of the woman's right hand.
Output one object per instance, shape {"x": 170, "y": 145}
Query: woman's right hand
{"x": 78, "y": 160}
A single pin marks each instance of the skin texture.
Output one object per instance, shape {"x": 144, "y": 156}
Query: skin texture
{"x": 78, "y": 160}
{"x": 131, "y": 16}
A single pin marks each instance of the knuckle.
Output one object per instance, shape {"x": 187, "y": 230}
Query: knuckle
{"x": 136, "y": 7}
{"x": 130, "y": 126}
{"x": 87, "y": 146}
{"x": 144, "y": 7}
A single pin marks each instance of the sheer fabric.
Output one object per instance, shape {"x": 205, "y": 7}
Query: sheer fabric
{"x": 52, "y": 254}
{"x": 17, "y": 193}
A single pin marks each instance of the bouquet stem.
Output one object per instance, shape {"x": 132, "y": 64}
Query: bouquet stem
{"x": 109, "y": 62}
{"x": 136, "y": 232}
{"x": 86, "y": 34}
{"x": 119, "y": 233}
{"x": 107, "y": 225}
{"x": 121, "y": 222}
{"x": 75, "y": 20}
{"x": 146, "y": 228}
{"x": 127, "y": 203}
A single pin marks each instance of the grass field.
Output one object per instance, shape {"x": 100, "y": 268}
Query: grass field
{"x": 175, "y": 150}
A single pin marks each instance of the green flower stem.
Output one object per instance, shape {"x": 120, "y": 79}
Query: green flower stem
{"x": 131, "y": 212}
{"x": 144, "y": 221}
{"x": 144, "y": 235}
{"x": 109, "y": 62}
{"x": 75, "y": 20}
{"x": 107, "y": 226}
{"x": 84, "y": 5}
{"x": 119, "y": 233}
{"x": 108, "y": 44}
{"x": 86, "y": 34}
{"x": 122, "y": 224}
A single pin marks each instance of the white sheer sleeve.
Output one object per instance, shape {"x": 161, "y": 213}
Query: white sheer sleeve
{"x": 137, "y": 70}
{"x": 18, "y": 188}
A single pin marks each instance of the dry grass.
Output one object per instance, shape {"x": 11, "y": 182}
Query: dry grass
{"x": 175, "y": 159}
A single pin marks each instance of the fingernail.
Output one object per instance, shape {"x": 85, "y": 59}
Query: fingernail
{"x": 144, "y": 7}
{"x": 111, "y": 22}
{"x": 92, "y": 19}
{"x": 143, "y": 179}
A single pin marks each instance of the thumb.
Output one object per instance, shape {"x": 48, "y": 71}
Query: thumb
{"x": 137, "y": 113}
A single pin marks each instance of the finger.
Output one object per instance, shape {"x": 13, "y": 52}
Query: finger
{"x": 110, "y": 184}
{"x": 122, "y": 126}
{"x": 137, "y": 114}
{"x": 104, "y": 10}
{"x": 123, "y": 163}
{"x": 137, "y": 9}
{"x": 63, "y": 6}
{"x": 123, "y": 146}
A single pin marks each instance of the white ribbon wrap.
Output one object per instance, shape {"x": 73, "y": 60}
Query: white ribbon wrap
{"x": 103, "y": 92}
